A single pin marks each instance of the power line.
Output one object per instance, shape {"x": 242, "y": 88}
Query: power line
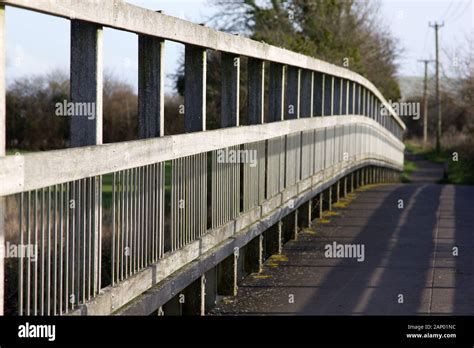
{"x": 455, "y": 14}
{"x": 462, "y": 12}
{"x": 447, "y": 10}
{"x": 425, "y": 40}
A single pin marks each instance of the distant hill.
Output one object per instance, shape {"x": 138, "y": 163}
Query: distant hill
{"x": 412, "y": 86}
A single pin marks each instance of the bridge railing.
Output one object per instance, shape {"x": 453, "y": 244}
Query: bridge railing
{"x": 109, "y": 221}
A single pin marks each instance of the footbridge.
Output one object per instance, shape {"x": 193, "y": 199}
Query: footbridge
{"x": 167, "y": 224}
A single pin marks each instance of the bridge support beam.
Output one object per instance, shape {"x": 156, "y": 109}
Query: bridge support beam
{"x": 304, "y": 215}
{"x": 227, "y": 275}
{"x": 334, "y": 193}
{"x": 194, "y": 297}
{"x": 295, "y": 225}
{"x": 172, "y": 307}
{"x": 280, "y": 236}
{"x": 288, "y": 227}
{"x": 271, "y": 238}
{"x": 321, "y": 202}
{"x": 327, "y": 199}
{"x": 254, "y": 255}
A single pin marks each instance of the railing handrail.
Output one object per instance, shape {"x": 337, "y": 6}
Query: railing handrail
{"x": 123, "y": 16}
{"x": 25, "y": 172}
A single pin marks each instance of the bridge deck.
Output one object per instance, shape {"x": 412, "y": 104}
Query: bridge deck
{"x": 407, "y": 251}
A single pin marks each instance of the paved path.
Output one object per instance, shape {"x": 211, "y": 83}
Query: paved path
{"x": 427, "y": 171}
{"x": 407, "y": 251}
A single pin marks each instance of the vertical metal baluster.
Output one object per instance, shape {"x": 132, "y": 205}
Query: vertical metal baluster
{"x": 26, "y": 256}
{"x": 121, "y": 229}
{"x": 114, "y": 224}
{"x": 203, "y": 196}
{"x": 182, "y": 211}
{"x": 73, "y": 243}
{"x": 194, "y": 211}
{"x": 61, "y": 259}
{"x": 142, "y": 211}
{"x": 136, "y": 220}
{"x": 179, "y": 210}
{"x": 127, "y": 250}
{"x": 42, "y": 268}
{"x": 85, "y": 231}
{"x": 35, "y": 251}
{"x": 187, "y": 206}
{"x": 160, "y": 209}
{"x": 90, "y": 212}
{"x": 66, "y": 279}
{"x": 138, "y": 216}
{"x": 152, "y": 212}
{"x": 20, "y": 259}
{"x": 130, "y": 258}
{"x": 174, "y": 204}
{"x": 76, "y": 249}
{"x": 99, "y": 248}
{"x": 49, "y": 253}
{"x": 147, "y": 216}
{"x": 118, "y": 225}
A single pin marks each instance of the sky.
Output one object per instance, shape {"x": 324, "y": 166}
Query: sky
{"x": 38, "y": 43}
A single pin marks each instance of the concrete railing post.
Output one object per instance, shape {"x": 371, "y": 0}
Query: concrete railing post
{"x": 256, "y": 89}
{"x": 318, "y": 94}
{"x": 336, "y": 108}
{"x": 86, "y": 87}
{"x": 276, "y": 92}
{"x": 230, "y": 90}
{"x": 293, "y": 93}
{"x": 195, "y": 61}
{"x": 307, "y": 94}
{"x": 328, "y": 95}
{"x": 150, "y": 87}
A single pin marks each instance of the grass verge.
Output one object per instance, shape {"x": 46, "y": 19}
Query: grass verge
{"x": 460, "y": 172}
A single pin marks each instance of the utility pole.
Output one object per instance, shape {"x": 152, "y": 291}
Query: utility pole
{"x": 436, "y": 27}
{"x": 425, "y": 101}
